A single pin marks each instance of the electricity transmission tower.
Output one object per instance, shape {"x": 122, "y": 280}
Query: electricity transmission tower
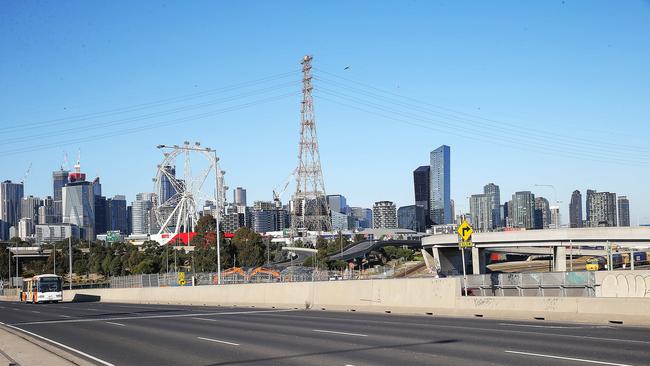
{"x": 309, "y": 211}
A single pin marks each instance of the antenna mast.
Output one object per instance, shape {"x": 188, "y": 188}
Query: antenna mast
{"x": 309, "y": 211}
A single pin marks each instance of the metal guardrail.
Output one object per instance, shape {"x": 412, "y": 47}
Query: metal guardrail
{"x": 555, "y": 284}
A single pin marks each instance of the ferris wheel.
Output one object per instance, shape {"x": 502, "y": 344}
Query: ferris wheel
{"x": 187, "y": 178}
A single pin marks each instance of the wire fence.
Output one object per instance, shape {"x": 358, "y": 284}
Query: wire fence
{"x": 555, "y": 284}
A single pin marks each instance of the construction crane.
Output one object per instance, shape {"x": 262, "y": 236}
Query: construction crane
{"x": 277, "y": 193}
{"x": 29, "y": 169}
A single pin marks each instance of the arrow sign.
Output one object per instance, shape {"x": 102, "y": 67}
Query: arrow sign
{"x": 465, "y": 231}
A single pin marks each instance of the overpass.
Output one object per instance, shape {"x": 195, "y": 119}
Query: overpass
{"x": 361, "y": 249}
{"x": 441, "y": 251}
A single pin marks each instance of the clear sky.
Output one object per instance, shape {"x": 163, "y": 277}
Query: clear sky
{"x": 524, "y": 92}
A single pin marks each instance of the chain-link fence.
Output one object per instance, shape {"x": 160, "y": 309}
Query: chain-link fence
{"x": 555, "y": 284}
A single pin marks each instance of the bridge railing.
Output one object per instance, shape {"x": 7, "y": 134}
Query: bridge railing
{"x": 554, "y": 284}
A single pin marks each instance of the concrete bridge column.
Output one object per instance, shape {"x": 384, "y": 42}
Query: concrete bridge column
{"x": 448, "y": 260}
{"x": 478, "y": 261}
{"x": 559, "y": 252}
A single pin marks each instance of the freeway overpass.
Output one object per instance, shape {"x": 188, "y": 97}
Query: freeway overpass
{"x": 441, "y": 251}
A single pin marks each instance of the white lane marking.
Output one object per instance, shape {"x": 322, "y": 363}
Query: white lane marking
{"x": 35, "y": 311}
{"x": 156, "y": 316}
{"x": 66, "y": 316}
{"x": 539, "y": 326}
{"x": 342, "y": 333}
{"x": 218, "y": 341}
{"x": 120, "y": 324}
{"x": 428, "y": 325}
{"x": 206, "y": 319}
{"x": 568, "y": 358}
{"x": 62, "y": 345}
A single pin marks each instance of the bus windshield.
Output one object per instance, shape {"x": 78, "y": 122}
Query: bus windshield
{"x": 49, "y": 285}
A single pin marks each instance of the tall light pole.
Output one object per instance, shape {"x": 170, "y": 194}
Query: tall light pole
{"x": 218, "y": 218}
{"x": 70, "y": 255}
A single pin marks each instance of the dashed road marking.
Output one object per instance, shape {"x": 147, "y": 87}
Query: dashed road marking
{"x": 567, "y": 358}
{"x": 120, "y": 324}
{"x": 218, "y": 341}
{"x": 342, "y": 333}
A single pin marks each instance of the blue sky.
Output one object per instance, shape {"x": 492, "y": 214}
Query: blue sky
{"x": 525, "y": 93}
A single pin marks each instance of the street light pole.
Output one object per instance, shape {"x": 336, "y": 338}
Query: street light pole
{"x": 216, "y": 201}
{"x": 70, "y": 255}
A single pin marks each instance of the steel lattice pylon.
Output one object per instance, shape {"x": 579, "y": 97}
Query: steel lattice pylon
{"x": 309, "y": 211}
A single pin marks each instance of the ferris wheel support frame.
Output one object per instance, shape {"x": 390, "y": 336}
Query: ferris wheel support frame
{"x": 214, "y": 165}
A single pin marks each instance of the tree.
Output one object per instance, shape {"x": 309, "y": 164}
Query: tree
{"x": 206, "y": 223}
{"x": 249, "y": 248}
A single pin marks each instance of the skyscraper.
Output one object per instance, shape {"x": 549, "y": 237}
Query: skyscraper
{"x": 440, "y": 196}
{"x": 601, "y": 208}
{"x": 494, "y": 193}
{"x": 384, "y": 215}
{"x": 590, "y": 193}
{"x": 11, "y": 195}
{"x": 141, "y": 214}
{"x": 59, "y": 180}
{"x": 46, "y": 211}
{"x": 79, "y": 208}
{"x": 29, "y": 208}
{"x": 337, "y": 203}
{"x": 167, "y": 189}
{"x": 623, "y": 211}
{"x": 117, "y": 214}
{"x": 411, "y": 217}
{"x": 422, "y": 189}
{"x": 480, "y": 210}
{"x": 575, "y": 210}
{"x": 239, "y": 196}
{"x": 522, "y": 210}
{"x": 542, "y": 215}
{"x": 363, "y": 217}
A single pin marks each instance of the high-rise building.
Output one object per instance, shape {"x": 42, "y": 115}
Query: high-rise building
{"x": 141, "y": 214}
{"x": 411, "y": 217}
{"x": 339, "y": 221}
{"x": 337, "y": 203}
{"x": 55, "y": 232}
{"x": 480, "y": 209}
{"x": 59, "y": 180}
{"x": 522, "y": 210}
{"x": 239, "y": 196}
{"x": 575, "y": 210}
{"x": 11, "y": 195}
{"x": 440, "y": 196}
{"x": 555, "y": 217}
{"x": 623, "y": 211}
{"x": 167, "y": 189}
{"x": 384, "y": 215}
{"x": 46, "y": 211}
{"x": 602, "y": 209}
{"x": 116, "y": 214}
{"x": 101, "y": 215}
{"x": 79, "y": 207}
{"x": 29, "y": 208}
{"x": 363, "y": 216}
{"x": 25, "y": 228}
{"x": 422, "y": 188}
{"x": 590, "y": 194}
{"x": 542, "y": 215}
{"x": 494, "y": 193}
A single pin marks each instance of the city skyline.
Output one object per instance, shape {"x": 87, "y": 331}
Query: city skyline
{"x": 497, "y": 91}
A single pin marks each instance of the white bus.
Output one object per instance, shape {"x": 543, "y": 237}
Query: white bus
{"x": 42, "y": 288}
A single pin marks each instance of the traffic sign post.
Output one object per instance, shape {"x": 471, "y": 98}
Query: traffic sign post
{"x": 465, "y": 241}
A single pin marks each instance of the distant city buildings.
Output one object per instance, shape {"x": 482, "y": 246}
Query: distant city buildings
{"x": 542, "y": 215}
{"x": 521, "y": 210}
{"x": 492, "y": 191}
{"x": 384, "y": 215}
{"x": 440, "y": 196}
{"x": 480, "y": 211}
{"x": 55, "y": 232}
{"x": 362, "y": 217}
{"x": 59, "y": 180}
{"x": 11, "y": 195}
{"x": 411, "y": 217}
{"x": 623, "y": 211}
{"x": 422, "y": 190}
{"x": 575, "y": 210}
{"x": 141, "y": 213}
{"x": 601, "y": 208}
{"x": 337, "y": 203}
{"x": 239, "y": 196}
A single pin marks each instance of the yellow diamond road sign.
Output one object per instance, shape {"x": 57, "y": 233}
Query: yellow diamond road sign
{"x": 465, "y": 231}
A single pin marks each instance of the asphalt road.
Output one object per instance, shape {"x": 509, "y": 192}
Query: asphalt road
{"x": 129, "y": 334}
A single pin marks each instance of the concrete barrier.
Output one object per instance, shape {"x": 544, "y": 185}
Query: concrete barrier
{"x": 399, "y": 296}
{"x": 623, "y": 283}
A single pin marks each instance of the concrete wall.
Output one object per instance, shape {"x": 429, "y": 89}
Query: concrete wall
{"x": 623, "y": 283}
{"x": 401, "y": 296}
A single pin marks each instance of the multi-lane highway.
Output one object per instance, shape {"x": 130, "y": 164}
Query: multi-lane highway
{"x": 130, "y": 334}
